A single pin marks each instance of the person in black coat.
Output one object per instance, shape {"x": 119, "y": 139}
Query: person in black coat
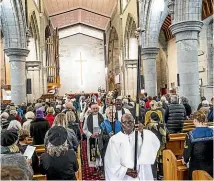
{"x": 188, "y": 108}
{"x": 174, "y": 116}
{"x": 142, "y": 112}
{"x": 200, "y": 105}
{"x": 59, "y": 163}
{"x": 210, "y": 114}
{"x": 38, "y": 128}
{"x": 198, "y": 146}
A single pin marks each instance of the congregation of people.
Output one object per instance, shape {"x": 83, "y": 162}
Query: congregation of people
{"x": 106, "y": 122}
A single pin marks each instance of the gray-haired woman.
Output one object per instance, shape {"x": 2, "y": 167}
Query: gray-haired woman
{"x": 59, "y": 163}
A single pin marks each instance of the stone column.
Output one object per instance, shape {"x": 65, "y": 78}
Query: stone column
{"x": 131, "y": 69}
{"x": 33, "y": 70}
{"x": 186, "y": 33}
{"x": 17, "y": 58}
{"x": 149, "y": 70}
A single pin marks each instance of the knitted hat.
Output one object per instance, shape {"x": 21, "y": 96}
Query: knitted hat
{"x": 39, "y": 113}
{"x": 154, "y": 116}
{"x": 57, "y": 135}
{"x": 8, "y": 137}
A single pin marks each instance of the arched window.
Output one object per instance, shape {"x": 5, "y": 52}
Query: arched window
{"x": 131, "y": 43}
{"x": 34, "y": 39}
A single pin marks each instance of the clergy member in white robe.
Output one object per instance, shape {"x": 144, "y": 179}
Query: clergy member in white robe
{"x": 120, "y": 111}
{"x": 119, "y": 157}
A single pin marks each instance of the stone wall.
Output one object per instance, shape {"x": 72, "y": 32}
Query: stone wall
{"x": 5, "y": 66}
{"x": 203, "y": 51}
{"x": 93, "y": 65}
{"x": 3, "y": 71}
{"x": 172, "y": 63}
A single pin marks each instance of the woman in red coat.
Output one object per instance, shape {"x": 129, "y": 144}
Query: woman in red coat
{"x": 148, "y": 102}
{"x": 50, "y": 115}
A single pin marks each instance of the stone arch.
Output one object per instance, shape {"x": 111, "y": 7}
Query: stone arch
{"x": 130, "y": 36}
{"x": 15, "y": 46}
{"x": 152, "y": 22}
{"x": 162, "y": 64}
{"x": 131, "y": 55}
{"x": 13, "y": 24}
{"x": 47, "y": 32}
{"x": 153, "y": 18}
{"x": 210, "y": 53}
{"x": 113, "y": 59}
{"x": 33, "y": 25}
{"x": 35, "y": 39}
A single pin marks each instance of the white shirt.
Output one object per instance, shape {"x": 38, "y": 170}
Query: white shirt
{"x": 120, "y": 156}
{"x": 95, "y": 124}
{"x": 120, "y": 113}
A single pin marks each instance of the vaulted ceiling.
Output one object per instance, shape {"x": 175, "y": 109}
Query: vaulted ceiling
{"x": 94, "y": 13}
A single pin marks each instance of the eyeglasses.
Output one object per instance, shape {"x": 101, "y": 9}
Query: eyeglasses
{"x": 127, "y": 122}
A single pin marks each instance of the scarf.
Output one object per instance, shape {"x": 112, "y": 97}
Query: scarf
{"x": 90, "y": 121}
{"x": 116, "y": 114}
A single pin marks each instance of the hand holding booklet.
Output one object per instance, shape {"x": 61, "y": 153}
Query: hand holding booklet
{"x": 29, "y": 151}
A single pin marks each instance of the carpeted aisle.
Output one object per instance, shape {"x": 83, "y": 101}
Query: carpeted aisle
{"x": 87, "y": 173}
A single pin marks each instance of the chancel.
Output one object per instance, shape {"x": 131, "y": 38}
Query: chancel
{"x": 106, "y": 89}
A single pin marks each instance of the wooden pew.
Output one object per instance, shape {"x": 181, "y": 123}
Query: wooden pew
{"x": 173, "y": 169}
{"x": 39, "y": 177}
{"x": 40, "y": 149}
{"x": 201, "y": 175}
{"x": 188, "y": 126}
{"x": 176, "y": 143}
{"x": 79, "y": 172}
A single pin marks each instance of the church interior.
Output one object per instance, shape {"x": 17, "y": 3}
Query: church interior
{"x": 73, "y": 51}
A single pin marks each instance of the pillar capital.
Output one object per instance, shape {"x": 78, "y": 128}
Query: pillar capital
{"x": 33, "y": 64}
{"x": 187, "y": 29}
{"x": 17, "y": 52}
{"x": 149, "y": 53}
{"x": 150, "y": 50}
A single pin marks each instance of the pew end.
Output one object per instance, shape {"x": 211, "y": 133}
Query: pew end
{"x": 201, "y": 175}
{"x": 176, "y": 143}
{"x": 173, "y": 168}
